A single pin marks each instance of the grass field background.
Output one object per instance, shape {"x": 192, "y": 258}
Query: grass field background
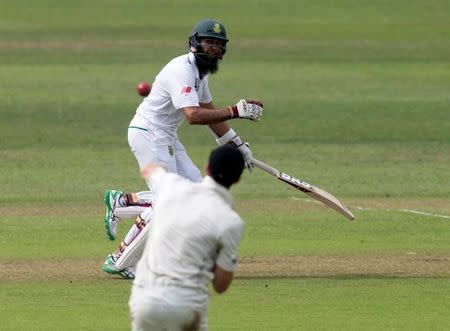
{"x": 357, "y": 101}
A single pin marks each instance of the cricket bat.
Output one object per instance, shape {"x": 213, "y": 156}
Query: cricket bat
{"x": 314, "y": 192}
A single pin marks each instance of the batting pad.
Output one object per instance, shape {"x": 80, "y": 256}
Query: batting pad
{"x": 133, "y": 253}
{"x": 128, "y": 212}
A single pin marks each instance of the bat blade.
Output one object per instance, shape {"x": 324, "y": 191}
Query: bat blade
{"x": 318, "y": 194}
{"x": 314, "y": 192}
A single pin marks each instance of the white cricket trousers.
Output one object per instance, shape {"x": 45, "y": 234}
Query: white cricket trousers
{"x": 172, "y": 156}
{"x": 162, "y": 308}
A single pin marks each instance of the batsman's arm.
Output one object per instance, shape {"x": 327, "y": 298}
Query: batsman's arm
{"x": 202, "y": 116}
{"x": 220, "y": 128}
{"x": 224, "y": 135}
{"x": 251, "y": 109}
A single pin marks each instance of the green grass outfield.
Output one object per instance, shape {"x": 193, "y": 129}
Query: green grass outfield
{"x": 357, "y": 101}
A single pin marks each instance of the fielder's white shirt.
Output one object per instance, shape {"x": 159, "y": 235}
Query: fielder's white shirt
{"x": 194, "y": 227}
{"x": 178, "y": 85}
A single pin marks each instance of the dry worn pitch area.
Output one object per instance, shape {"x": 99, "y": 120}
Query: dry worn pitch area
{"x": 250, "y": 267}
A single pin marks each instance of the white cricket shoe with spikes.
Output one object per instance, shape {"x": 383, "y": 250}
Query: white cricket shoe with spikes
{"x": 110, "y": 267}
{"x": 111, "y": 221}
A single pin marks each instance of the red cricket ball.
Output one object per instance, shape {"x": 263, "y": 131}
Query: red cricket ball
{"x": 143, "y": 89}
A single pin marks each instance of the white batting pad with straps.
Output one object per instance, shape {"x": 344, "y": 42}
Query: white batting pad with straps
{"x": 147, "y": 214}
{"x": 129, "y": 212}
{"x": 133, "y": 253}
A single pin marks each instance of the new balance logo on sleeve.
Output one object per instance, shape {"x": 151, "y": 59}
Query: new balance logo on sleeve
{"x": 186, "y": 90}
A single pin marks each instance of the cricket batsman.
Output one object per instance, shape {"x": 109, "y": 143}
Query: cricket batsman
{"x": 179, "y": 92}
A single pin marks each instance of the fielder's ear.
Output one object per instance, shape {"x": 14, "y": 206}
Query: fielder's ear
{"x": 207, "y": 170}
{"x": 193, "y": 49}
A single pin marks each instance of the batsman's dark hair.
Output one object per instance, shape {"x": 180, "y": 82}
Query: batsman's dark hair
{"x": 226, "y": 165}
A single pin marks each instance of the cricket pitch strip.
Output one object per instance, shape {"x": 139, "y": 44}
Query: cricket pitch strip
{"x": 70, "y": 270}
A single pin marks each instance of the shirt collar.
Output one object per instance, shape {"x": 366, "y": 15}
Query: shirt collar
{"x": 193, "y": 61}
{"x": 219, "y": 189}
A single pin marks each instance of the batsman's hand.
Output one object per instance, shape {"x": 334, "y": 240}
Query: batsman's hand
{"x": 247, "y": 154}
{"x": 249, "y": 109}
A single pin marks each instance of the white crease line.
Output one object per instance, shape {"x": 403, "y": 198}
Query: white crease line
{"x": 362, "y": 208}
{"x": 412, "y": 211}
{"x": 424, "y": 213}
{"x": 302, "y": 199}
{"x": 405, "y": 211}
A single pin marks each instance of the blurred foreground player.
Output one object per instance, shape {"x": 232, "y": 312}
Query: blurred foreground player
{"x": 193, "y": 240}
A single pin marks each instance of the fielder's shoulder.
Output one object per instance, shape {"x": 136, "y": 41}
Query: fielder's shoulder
{"x": 234, "y": 221}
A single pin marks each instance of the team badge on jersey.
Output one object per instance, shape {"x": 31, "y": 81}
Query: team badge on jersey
{"x": 186, "y": 90}
{"x": 197, "y": 84}
{"x": 170, "y": 148}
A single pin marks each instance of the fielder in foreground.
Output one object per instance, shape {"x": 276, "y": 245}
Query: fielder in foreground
{"x": 180, "y": 91}
{"x": 192, "y": 240}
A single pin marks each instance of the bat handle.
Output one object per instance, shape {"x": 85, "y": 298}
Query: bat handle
{"x": 265, "y": 167}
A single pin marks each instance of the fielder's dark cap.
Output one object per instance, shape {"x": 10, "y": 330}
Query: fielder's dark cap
{"x": 226, "y": 165}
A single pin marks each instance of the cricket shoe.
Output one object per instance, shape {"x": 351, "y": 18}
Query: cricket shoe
{"x": 111, "y": 222}
{"x": 109, "y": 266}
{"x": 127, "y": 273}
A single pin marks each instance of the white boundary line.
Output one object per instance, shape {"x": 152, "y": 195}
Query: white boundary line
{"x": 411, "y": 211}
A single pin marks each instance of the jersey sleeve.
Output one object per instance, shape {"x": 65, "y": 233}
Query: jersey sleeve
{"x": 205, "y": 93}
{"x": 231, "y": 237}
{"x": 181, "y": 88}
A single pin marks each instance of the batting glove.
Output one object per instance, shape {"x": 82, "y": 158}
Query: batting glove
{"x": 247, "y": 154}
{"x": 249, "y": 109}
{"x": 232, "y": 139}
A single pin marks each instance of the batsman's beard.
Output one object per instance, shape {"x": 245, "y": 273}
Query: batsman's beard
{"x": 207, "y": 64}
